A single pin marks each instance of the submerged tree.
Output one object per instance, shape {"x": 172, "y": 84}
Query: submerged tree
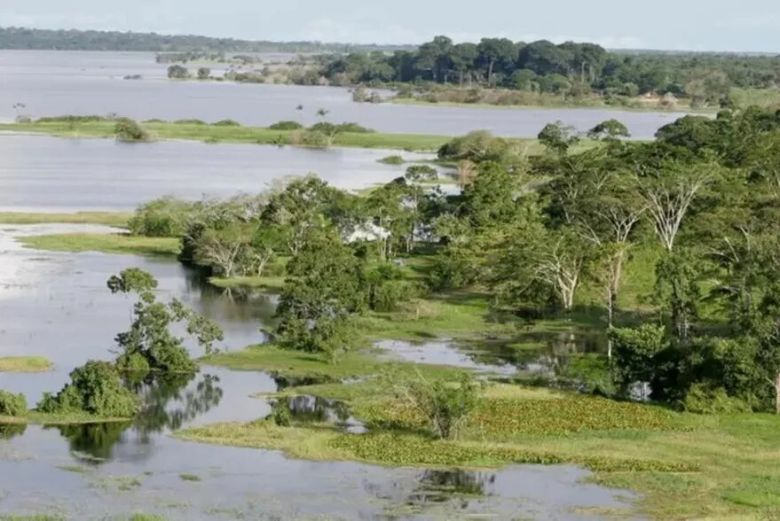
{"x": 149, "y": 345}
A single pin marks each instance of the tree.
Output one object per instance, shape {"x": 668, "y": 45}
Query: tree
{"x": 536, "y": 259}
{"x": 495, "y": 54}
{"x": 635, "y": 354}
{"x": 677, "y": 290}
{"x": 609, "y": 130}
{"x": 322, "y": 290}
{"x": 558, "y": 137}
{"x": 204, "y": 73}
{"x": 668, "y": 192}
{"x": 177, "y": 72}
{"x": 298, "y": 208}
{"x": 149, "y": 344}
{"x": 95, "y": 388}
{"x": 462, "y": 57}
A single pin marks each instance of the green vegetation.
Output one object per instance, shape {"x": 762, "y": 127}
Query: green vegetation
{"x": 100, "y": 242}
{"x": 189, "y": 477}
{"x": 103, "y": 128}
{"x": 727, "y": 461}
{"x": 149, "y": 345}
{"x": 96, "y": 389}
{"x": 13, "y": 405}
{"x": 118, "y": 219}
{"x": 501, "y": 72}
{"x": 130, "y": 131}
{"x": 101, "y": 391}
{"x": 24, "y": 364}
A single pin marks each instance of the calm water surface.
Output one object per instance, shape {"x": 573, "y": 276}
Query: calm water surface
{"x": 56, "y": 83}
{"x": 41, "y": 173}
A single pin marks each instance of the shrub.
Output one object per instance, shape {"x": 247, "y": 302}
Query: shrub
{"x": 286, "y": 125}
{"x": 443, "y": 404}
{"x": 164, "y": 217}
{"x": 227, "y": 123}
{"x": 129, "y": 130}
{"x": 353, "y": 128}
{"x": 705, "y": 399}
{"x": 189, "y": 122}
{"x": 392, "y": 160}
{"x": 95, "y": 388}
{"x": 12, "y": 404}
{"x": 475, "y": 146}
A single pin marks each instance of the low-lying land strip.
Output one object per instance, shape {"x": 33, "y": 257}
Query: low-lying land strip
{"x": 231, "y": 134}
{"x": 24, "y": 364}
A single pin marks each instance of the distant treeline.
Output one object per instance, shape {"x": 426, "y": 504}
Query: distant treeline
{"x": 571, "y": 69}
{"x": 75, "y": 40}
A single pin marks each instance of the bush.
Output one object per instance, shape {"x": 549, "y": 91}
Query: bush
{"x": 95, "y": 388}
{"x": 164, "y": 217}
{"x": 353, "y": 128}
{"x": 705, "y": 399}
{"x": 189, "y": 122}
{"x": 286, "y": 125}
{"x": 444, "y": 404}
{"x": 392, "y": 160}
{"x": 475, "y": 146}
{"x": 227, "y": 123}
{"x": 12, "y": 404}
{"x": 129, "y": 130}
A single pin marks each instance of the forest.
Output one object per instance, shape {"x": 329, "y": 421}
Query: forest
{"x": 573, "y": 69}
{"x": 668, "y": 248}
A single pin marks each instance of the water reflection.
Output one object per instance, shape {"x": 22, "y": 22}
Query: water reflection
{"x": 438, "y": 486}
{"x": 169, "y": 403}
{"x": 538, "y": 354}
{"x": 9, "y": 430}
{"x": 313, "y": 409}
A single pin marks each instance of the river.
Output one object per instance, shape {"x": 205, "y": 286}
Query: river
{"x": 50, "y": 83}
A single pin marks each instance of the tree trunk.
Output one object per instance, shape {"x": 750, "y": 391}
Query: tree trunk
{"x": 610, "y": 317}
{"x": 777, "y": 393}
{"x": 490, "y": 72}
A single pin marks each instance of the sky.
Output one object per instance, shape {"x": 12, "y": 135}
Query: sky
{"x": 700, "y": 25}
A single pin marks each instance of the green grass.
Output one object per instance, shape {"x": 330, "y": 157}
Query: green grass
{"x": 106, "y": 243}
{"x": 24, "y": 364}
{"x": 189, "y": 477}
{"x": 118, "y": 219}
{"x": 220, "y": 134}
